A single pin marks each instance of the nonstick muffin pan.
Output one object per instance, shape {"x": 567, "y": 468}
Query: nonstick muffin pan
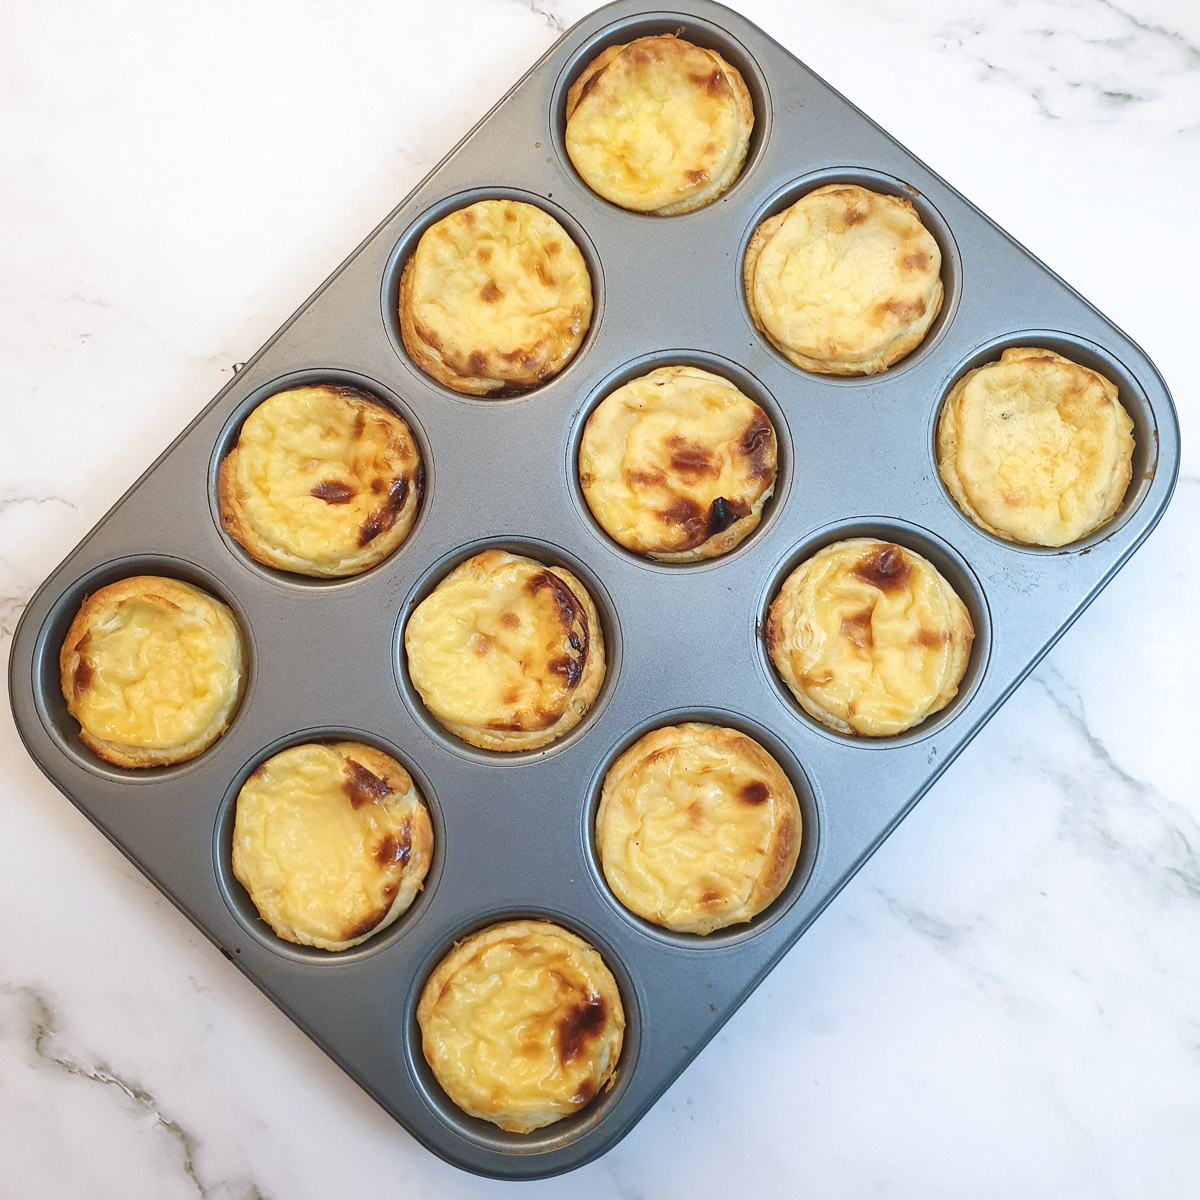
{"x": 514, "y": 832}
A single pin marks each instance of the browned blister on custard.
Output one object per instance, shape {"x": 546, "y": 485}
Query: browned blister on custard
{"x": 324, "y": 480}
{"x": 506, "y": 652}
{"x": 495, "y": 299}
{"x": 678, "y": 464}
{"x": 869, "y": 637}
{"x": 152, "y": 670}
{"x": 332, "y": 842}
{"x": 522, "y": 1024}
{"x": 659, "y": 125}
{"x": 846, "y": 281}
{"x": 698, "y": 828}
{"x": 1035, "y": 448}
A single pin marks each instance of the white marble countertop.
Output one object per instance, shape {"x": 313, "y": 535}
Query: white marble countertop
{"x": 1004, "y": 1002}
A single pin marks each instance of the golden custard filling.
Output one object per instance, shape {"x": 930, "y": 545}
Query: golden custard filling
{"x": 659, "y": 125}
{"x": 332, "y": 842}
{"x": 323, "y": 481}
{"x": 151, "y": 669}
{"x": 698, "y": 828}
{"x": 495, "y": 299}
{"x": 678, "y": 464}
{"x": 506, "y": 652}
{"x": 1036, "y": 448}
{"x": 869, "y": 637}
{"x": 846, "y": 281}
{"x": 522, "y": 1024}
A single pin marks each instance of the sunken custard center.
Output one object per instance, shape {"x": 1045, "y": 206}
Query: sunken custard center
{"x": 522, "y": 1024}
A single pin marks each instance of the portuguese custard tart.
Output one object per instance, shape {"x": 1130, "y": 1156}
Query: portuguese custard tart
{"x": 698, "y": 828}
{"x": 1035, "y": 448}
{"x": 522, "y": 1024}
{"x": 659, "y": 125}
{"x": 506, "y": 652}
{"x": 844, "y": 282}
{"x": 495, "y": 299}
{"x": 152, "y": 670}
{"x": 678, "y": 464}
{"x": 332, "y": 842}
{"x": 869, "y": 637}
{"x": 323, "y": 481}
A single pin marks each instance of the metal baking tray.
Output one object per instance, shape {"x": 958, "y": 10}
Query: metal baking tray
{"x": 514, "y": 831}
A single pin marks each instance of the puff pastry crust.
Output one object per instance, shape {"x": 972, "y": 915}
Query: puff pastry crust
{"x": 1035, "y": 448}
{"x": 522, "y": 1024}
{"x": 678, "y": 464}
{"x": 323, "y": 481}
{"x": 151, "y": 668}
{"x": 869, "y": 637}
{"x": 332, "y": 842}
{"x": 495, "y": 299}
{"x": 845, "y": 282}
{"x": 698, "y": 827}
{"x": 506, "y": 652}
{"x": 659, "y": 125}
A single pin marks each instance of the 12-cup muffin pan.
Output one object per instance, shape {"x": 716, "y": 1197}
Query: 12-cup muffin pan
{"x": 514, "y": 832}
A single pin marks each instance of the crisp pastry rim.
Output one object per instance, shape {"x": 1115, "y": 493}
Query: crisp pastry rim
{"x": 915, "y": 541}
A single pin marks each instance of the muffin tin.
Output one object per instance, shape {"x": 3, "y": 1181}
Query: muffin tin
{"x": 514, "y": 832}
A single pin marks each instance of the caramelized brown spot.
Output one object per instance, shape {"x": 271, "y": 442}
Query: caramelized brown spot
{"x": 754, "y": 793}
{"x": 552, "y": 249}
{"x": 852, "y": 216}
{"x": 724, "y": 513}
{"x": 509, "y": 620}
{"x": 468, "y": 218}
{"x": 905, "y": 310}
{"x": 710, "y": 897}
{"x": 574, "y": 620}
{"x": 366, "y": 925}
{"x": 362, "y": 786}
{"x": 690, "y": 459}
{"x": 484, "y": 254}
{"x": 858, "y": 628}
{"x": 491, "y": 293}
{"x": 547, "y": 717}
{"x": 694, "y": 176}
{"x": 512, "y": 695}
{"x": 377, "y": 485}
{"x": 83, "y": 674}
{"x": 540, "y": 271}
{"x": 393, "y": 849}
{"x": 691, "y": 516}
{"x": 932, "y": 638}
{"x": 383, "y": 518}
{"x": 333, "y": 491}
{"x": 917, "y": 261}
{"x": 695, "y": 814}
{"x": 507, "y": 726}
{"x": 590, "y": 83}
{"x": 476, "y": 362}
{"x": 758, "y": 445}
{"x": 640, "y": 479}
{"x": 481, "y": 643}
{"x": 360, "y": 423}
{"x": 583, "y": 1023}
{"x": 587, "y": 1089}
{"x": 885, "y": 568}
{"x": 510, "y": 217}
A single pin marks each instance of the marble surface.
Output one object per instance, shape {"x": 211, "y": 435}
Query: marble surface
{"x": 1006, "y": 1000}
